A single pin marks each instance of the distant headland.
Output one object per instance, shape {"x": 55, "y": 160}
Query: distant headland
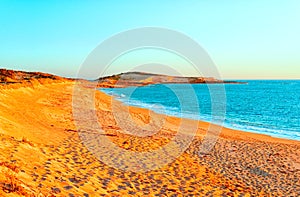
{"x": 17, "y": 78}
{"x": 143, "y": 79}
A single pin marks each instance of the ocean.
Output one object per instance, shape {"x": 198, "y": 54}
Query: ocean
{"x": 269, "y": 107}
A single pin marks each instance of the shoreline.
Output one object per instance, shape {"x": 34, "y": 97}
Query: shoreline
{"x": 11, "y": 87}
{"x": 202, "y": 120}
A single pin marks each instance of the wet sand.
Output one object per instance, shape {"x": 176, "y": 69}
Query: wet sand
{"x": 42, "y": 153}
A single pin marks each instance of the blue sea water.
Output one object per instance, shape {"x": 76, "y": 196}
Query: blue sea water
{"x": 262, "y": 106}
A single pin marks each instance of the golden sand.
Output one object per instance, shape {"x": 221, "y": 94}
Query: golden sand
{"x": 41, "y": 153}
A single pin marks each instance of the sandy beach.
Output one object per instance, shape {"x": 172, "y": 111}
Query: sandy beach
{"x": 42, "y": 153}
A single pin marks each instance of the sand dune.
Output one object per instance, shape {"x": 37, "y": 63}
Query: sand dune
{"x": 42, "y": 153}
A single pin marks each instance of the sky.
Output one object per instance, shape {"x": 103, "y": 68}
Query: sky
{"x": 245, "y": 39}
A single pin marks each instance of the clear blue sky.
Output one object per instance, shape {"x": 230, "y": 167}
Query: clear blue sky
{"x": 246, "y": 39}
